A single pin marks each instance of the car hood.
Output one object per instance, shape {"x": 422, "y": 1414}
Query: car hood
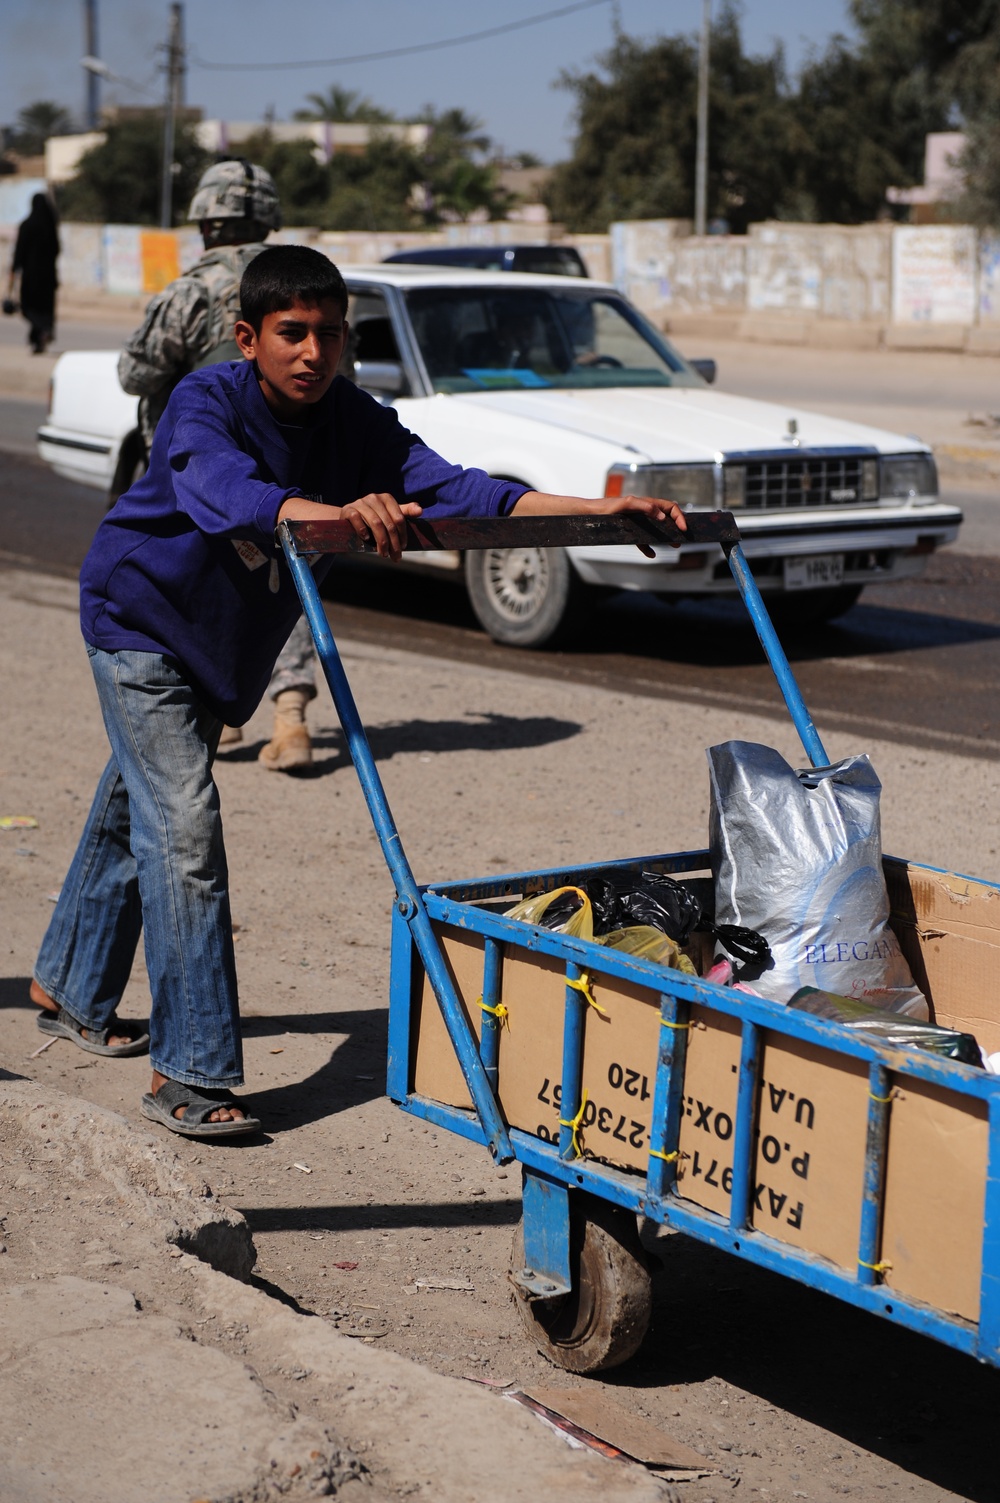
{"x": 678, "y": 424}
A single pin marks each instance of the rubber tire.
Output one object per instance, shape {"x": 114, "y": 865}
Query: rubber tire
{"x": 131, "y": 466}
{"x": 603, "y": 1321}
{"x": 524, "y": 597}
{"x": 802, "y": 608}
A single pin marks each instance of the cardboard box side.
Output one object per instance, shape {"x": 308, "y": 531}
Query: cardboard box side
{"x": 809, "y": 1168}
{"x": 435, "y": 1070}
{"x": 948, "y": 928}
{"x": 945, "y": 900}
{"x": 812, "y": 1112}
{"x": 932, "y": 1224}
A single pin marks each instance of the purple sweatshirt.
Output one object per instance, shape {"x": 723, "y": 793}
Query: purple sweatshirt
{"x": 186, "y": 564}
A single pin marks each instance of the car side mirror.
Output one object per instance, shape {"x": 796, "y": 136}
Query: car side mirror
{"x": 707, "y": 369}
{"x": 383, "y": 376}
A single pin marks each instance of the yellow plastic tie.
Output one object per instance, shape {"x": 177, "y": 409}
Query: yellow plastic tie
{"x": 885, "y": 1101}
{"x": 576, "y": 1123}
{"x": 668, "y": 1158}
{"x": 665, "y": 1024}
{"x": 583, "y": 986}
{"x": 875, "y": 1267}
{"x": 500, "y": 1012}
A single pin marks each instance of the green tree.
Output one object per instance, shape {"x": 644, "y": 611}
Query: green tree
{"x": 343, "y": 105}
{"x": 369, "y": 190}
{"x": 303, "y": 183}
{"x": 36, "y": 123}
{"x": 920, "y": 66}
{"x": 118, "y": 182}
{"x": 860, "y": 127}
{"x": 458, "y": 176}
{"x": 634, "y": 154}
{"x": 377, "y": 189}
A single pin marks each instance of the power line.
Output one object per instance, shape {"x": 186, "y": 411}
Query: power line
{"x": 373, "y": 57}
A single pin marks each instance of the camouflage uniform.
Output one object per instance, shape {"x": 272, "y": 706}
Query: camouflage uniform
{"x": 296, "y": 665}
{"x": 190, "y": 325}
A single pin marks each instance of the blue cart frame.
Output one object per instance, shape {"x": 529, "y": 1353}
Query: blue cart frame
{"x": 553, "y": 1171}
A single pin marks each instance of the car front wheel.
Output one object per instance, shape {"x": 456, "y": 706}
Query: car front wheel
{"x": 524, "y": 597}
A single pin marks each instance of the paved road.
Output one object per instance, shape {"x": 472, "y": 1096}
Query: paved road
{"x": 916, "y": 662}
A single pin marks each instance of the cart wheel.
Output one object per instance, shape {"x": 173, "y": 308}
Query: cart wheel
{"x": 604, "y": 1319}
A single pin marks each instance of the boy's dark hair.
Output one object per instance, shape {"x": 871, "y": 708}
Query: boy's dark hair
{"x": 285, "y": 274}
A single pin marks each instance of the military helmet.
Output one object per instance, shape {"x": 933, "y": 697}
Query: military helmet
{"x": 237, "y": 190}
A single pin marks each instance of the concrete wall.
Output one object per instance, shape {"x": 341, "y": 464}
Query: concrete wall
{"x": 935, "y": 274}
{"x": 935, "y": 285}
{"x": 913, "y": 285}
{"x": 795, "y": 270}
{"x": 130, "y": 259}
{"x": 824, "y": 271}
{"x": 666, "y": 270}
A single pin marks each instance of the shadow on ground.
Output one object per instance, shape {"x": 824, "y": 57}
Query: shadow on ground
{"x": 348, "y": 1078}
{"x": 910, "y": 614}
{"x": 922, "y": 1406}
{"x": 387, "y": 1217}
{"x": 484, "y": 733}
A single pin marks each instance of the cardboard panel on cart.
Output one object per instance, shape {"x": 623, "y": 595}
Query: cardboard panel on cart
{"x": 934, "y": 1209}
{"x": 810, "y": 1144}
{"x": 813, "y": 1109}
{"x": 948, "y": 927}
{"x": 808, "y": 1168}
{"x": 435, "y": 1070}
{"x": 620, "y": 1046}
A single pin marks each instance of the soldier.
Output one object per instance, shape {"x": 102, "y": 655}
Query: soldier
{"x": 190, "y": 325}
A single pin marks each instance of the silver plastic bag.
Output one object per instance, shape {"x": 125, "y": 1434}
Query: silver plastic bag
{"x": 798, "y": 856}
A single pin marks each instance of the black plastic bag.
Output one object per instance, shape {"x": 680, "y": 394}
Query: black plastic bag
{"x": 888, "y": 1027}
{"x": 622, "y": 899}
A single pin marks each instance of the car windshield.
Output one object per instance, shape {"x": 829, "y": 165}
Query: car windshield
{"x": 491, "y": 338}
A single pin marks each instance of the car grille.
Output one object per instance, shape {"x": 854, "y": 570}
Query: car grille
{"x": 834, "y": 480}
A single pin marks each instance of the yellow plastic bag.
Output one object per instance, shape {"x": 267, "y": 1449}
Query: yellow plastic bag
{"x": 649, "y": 944}
{"x": 580, "y": 923}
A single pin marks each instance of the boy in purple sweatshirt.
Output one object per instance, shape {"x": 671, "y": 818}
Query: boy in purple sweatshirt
{"x": 186, "y": 602}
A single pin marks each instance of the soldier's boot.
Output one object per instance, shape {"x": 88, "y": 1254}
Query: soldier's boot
{"x": 231, "y": 735}
{"x": 290, "y": 745}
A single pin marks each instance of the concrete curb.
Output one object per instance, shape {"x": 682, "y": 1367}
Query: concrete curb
{"x": 414, "y": 1426}
{"x": 414, "y": 1430}
{"x": 147, "y": 1178}
{"x": 831, "y": 333}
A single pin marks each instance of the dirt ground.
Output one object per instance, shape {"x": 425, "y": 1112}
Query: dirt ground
{"x": 350, "y": 1201}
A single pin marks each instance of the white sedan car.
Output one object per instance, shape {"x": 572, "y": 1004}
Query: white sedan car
{"x": 563, "y": 385}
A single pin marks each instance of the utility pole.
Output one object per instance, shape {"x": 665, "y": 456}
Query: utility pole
{"x": 91, "y": 108}
{"x": 175, "y": 93}
{"x": 701, "y": 151}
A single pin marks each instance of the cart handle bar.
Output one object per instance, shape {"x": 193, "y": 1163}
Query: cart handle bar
{"x": 522, "y": 532}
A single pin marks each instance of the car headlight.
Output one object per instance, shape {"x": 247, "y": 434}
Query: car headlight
{"x": 688, "y": 484}
{"x": 906, "y": 475}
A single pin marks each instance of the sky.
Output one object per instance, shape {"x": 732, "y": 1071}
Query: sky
{"x": 505, "y": 81}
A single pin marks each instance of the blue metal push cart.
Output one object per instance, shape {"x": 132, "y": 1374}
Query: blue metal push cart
{"x": 625, "y": 1089}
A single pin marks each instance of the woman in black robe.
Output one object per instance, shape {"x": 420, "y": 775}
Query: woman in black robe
{"x": 35, "y": 255}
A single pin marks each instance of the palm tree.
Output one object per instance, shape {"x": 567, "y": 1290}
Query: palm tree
{"x": 36, "y": 123}
{"x": 342, "y": 105}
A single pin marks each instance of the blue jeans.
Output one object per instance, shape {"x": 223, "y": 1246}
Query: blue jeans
{"x": 151, "y": 860}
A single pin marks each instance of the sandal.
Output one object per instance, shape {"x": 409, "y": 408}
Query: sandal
{"x": 65, "y": 1026}
{"x": 160, "y": 1106}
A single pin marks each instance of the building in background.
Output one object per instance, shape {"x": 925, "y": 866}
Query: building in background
{"x": 943, "y": 183}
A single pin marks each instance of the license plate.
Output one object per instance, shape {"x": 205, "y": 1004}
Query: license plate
{"x": 819, "y": 572}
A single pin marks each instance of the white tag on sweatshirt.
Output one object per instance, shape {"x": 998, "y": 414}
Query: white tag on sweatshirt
{"x": 249, "y": 552}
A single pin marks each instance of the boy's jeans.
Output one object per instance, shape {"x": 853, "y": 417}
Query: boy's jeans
{"x": 151, "y": 860}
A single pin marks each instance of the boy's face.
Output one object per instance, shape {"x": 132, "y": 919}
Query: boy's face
{"x": 297, "y": 352}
